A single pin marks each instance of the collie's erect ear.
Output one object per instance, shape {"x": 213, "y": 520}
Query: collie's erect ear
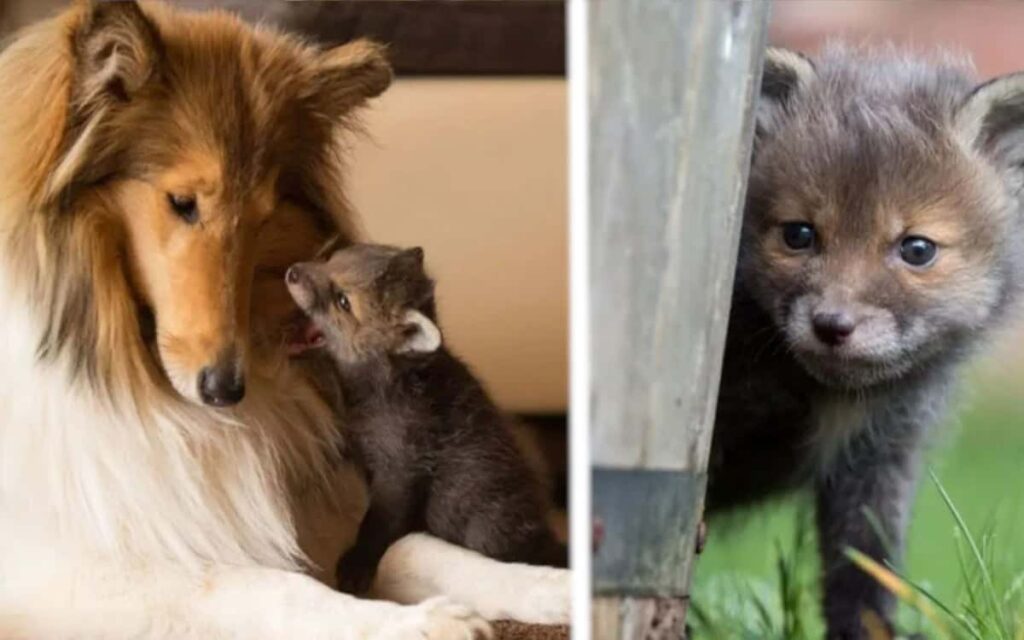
{"x": 348, "y": 76}
{"x": 785, "y": 74}
{"x": 991, "y": 120}
{"x": 117, "y": 50}
{"x": 420, "y": 334}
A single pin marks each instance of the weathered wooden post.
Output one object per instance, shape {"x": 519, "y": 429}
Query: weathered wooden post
{"x": 671, "y": 91}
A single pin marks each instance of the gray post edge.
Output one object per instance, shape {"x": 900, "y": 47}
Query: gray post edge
{"x": 672, "y": 90}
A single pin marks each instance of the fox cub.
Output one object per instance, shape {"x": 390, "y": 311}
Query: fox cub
{"x": 438, "y": 453}
{"x": 881, "y": 243}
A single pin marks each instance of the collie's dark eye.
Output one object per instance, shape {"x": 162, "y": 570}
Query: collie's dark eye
{"x": 917, "y": 251}
{"x": 184, "y": 207}
{"x": 342, "y": 301}
{"x": 798, "y": 235}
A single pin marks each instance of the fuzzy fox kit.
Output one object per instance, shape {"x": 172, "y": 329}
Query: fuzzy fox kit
{"x": 438, "y": 453}
{"x": 881, "y": 242}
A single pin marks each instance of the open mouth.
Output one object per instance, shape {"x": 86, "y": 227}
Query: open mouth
{"x": 303, "y": 335}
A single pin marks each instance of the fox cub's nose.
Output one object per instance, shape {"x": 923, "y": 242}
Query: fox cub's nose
{"x": 294, "y": 274}
{"x": 833, "y": 329}
{"x": 301, "y": 283}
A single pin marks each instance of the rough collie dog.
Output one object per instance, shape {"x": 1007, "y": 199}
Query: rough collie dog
{"x": 164, "y": 471}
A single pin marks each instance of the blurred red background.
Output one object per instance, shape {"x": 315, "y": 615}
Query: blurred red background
{"x": 991, "y": 32}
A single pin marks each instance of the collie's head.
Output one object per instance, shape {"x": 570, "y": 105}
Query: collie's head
{"x": 174, "y": 165}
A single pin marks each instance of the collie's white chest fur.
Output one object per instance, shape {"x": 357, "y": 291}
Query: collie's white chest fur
{"x": 171, "y": 480}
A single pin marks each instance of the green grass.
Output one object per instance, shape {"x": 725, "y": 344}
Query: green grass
{"x": 757, "y": 577}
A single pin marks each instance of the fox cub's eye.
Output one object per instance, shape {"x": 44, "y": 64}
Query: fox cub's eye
{"x": 798, "y": 235}
{"x": 342, "y": 301}
{"x": 184, "y": 207}
{"x": 917, "y": 251}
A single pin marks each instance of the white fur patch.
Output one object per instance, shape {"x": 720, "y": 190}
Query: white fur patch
{"x": 424, "y": 335}
{"x": 418, "y": 566}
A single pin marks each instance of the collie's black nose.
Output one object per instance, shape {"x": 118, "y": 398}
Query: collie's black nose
{"x": 833, "y": 329}
{"x": 294, "y": 274}
{"x": 223, "y": 384}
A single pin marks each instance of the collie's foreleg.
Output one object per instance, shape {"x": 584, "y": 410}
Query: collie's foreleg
{"x": 162, "y": 601}
{"x": 420, "y": 566}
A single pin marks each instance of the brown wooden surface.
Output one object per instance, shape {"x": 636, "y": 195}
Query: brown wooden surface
{"x": 639, "y": 618}
{"x": 506, "y": 630}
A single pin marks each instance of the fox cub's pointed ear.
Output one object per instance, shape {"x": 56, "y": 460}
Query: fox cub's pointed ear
{"x": 420, "y": 334}
{"x": 405, "y": 266}
{"x": 991, "y": 119}
{"x": 117, "y": 51}
{"x": 785, "y": 74}
{"x": 410, "y": 259}
{"x": 348, "y": 76}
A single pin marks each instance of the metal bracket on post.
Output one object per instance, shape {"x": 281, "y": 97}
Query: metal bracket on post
{"x": 649, "y": 522}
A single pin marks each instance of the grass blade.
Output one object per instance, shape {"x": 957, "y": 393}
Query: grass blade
{"x": 943, "y": 607}
{"x": 989, "y": 587}
{"x": 898, "y": 587}
{"x": 888, "y": 546}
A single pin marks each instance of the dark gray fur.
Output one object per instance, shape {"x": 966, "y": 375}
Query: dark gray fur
{"x": 852, "y": 141}
{"x": 438, "y": 453}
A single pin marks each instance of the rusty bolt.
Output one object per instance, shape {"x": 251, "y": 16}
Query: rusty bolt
{"x": 598, "y": 534}
{"x": 702, "y": 535}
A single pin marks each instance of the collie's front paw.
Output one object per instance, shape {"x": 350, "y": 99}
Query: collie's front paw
{"x": 548, "y": 600}
{"x": 435, "y": 619}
